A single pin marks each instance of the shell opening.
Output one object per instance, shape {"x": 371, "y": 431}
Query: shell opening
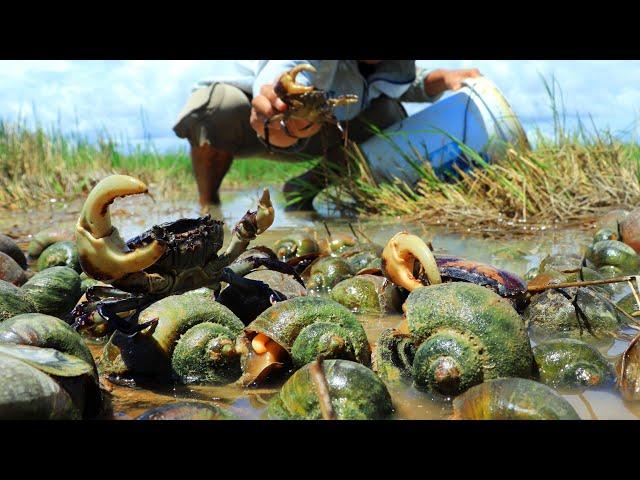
{"x": 263, "y": 356}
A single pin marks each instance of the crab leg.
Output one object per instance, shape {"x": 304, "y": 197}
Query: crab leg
{"x": 399, "y": 256}
{"x": 250, "y": 225}
{"x": 103, "y": 253}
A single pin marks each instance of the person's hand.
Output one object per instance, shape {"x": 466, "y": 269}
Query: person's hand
{"x": 266, "y": 105}
{"x": 439, "y": 81}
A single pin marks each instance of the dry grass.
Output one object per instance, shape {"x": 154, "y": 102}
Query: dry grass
{"x": 564, "y": 181}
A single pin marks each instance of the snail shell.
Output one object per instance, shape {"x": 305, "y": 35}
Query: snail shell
{"x": 512, "y": 399}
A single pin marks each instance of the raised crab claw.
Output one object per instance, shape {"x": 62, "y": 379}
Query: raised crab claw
{"x": 167, "y": 259}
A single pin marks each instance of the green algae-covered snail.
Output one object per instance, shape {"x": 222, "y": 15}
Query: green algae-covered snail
{"x": 560, "y": 262}
{"x": 614, "y": 253}
{"x": 296, "y": 244}
{"x": 297, "y": 331}
{"x": 512, "y": 399}
{"x": 332, "y": 389}
{"x": 464, "y": 334}
{"x": 467, "y": 334}
{"x": 187, "y": 411}
{"x": 327, "y": 272}
{"x": 13, "y": 303}
{"x": 46, "y": 370}
{"x": 571, "y": 364}
{"x": 11, "y": 272}
{"x": 189, "y": 337}
{"x": 605, "y": 234}
{"x": 553, "y": 314}
{"x": 53, "y": 291}
{"x": 47, "y": 237}
{"x": 60, "y": 254}
{"x": 30, "y": 394}
{"x": 368, "y": 294}
{"x": 11, "y": 248}
{"x": 337, "y": 244}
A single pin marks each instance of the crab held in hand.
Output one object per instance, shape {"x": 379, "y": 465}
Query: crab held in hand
{"x": 305, "y": 102}
{"x": 167, "y": 259}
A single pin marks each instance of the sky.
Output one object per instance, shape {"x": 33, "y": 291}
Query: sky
{"x": 138, "y": 100}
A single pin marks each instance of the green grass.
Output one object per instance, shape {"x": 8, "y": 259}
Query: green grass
{"x": 37, "y": 165}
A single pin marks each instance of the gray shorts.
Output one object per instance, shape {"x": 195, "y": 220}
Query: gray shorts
{"x": 219, "y": 115}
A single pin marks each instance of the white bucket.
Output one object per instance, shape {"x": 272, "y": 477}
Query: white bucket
{"x": 477, "y": 115}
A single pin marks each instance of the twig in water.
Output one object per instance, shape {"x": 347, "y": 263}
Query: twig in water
{"x": 320, "y": 381}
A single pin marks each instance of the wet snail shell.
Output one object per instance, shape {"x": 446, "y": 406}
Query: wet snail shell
{"x": 295, "y": 245}
{"x": 11, "y": 272}
{"x": 353, "y": 390}
{"x": 43, "y": 239}
{"x": 571, "y": 364}
{"x": 50, "y": 334}
{"x": 173, "y": 348}
{"x": 297, "y": 331}
{"x": 327, "y": 272}
{"x": 614, "y": 253}
{"x": 11, "y": 248}
{"x": 466, "y": 334}
{"x": 551, "y": 314}
{"x": 512, "y": 399}
{"x": 63, "y": 254}
{"x": 368, "y": 294}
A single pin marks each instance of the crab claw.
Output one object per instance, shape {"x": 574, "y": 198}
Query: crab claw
{"x": 103, "y": 253}
{"x": 265, "y": 214}
{"x": 288, "y": 80}
{"x": 399, "y": 256}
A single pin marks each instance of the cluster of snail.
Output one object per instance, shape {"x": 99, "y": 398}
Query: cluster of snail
{"x": 465, "y": 337}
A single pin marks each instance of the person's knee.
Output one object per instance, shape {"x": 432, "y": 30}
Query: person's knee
{"x": 215, "y": 116}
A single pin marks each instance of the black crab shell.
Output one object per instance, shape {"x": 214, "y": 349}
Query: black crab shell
{"x": 190, "y": 242}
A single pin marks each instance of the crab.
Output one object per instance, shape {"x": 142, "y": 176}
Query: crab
{"x": 167, "y": 259}
{"x": 305, "y": 102}
{"x": 399, "y": 265}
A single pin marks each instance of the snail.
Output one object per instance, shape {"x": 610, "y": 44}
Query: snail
{"x": 463, "y": 334}
{"x": 60, "y": 254}
{"x": 189, "y": 338}
{"x": 297, "y": 244}
{"x": 46, "y": 365}
{"x": 368, "y": 294}
{"x": 297, "y": 331}
{"x": 11, "y": 248}
{"x": 571, "y": 365}
{"x": 326, "y": 272}
{"x": 44, "y": 238}
{"x": 332, "y": 389}
{"x": 512, "y": 399}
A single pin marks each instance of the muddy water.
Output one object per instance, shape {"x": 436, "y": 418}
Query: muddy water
{"x": 516, "y": 253}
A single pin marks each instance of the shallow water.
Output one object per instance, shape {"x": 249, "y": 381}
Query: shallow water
{"x": 511, "y": 251}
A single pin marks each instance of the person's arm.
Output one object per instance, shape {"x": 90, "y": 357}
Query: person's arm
{"x": 429, "y": 85}
{"x": 266, "y": 104}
